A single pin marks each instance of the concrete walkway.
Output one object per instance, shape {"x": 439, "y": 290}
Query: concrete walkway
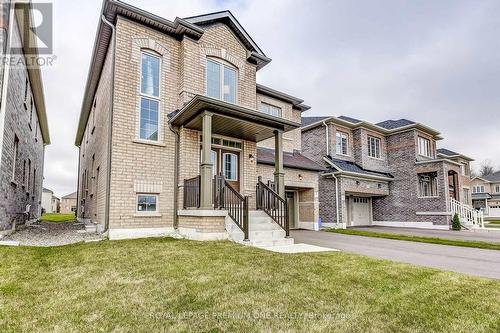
{"x": 491, "y": 236}
{"x": 478, "y": 262}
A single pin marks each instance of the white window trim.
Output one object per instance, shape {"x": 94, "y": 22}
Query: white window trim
{"x": 224, "y": 166}
{"x": 222, "y": 64}
{"x": 430, "y": 147}
{"x": 280, "y": 110}
{"x": 347, "y": 143}
{"x": 428, "y": 197}
{"x": 379, "y": 147}
{"x": 147, "y": 213}
{"x": 150, "y": 97}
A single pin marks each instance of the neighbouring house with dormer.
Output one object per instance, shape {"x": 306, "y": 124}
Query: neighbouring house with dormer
{"x": 176, "y": 136}
{"x": 486, "y": 194}
{"x": 388, "y": 174}
{"x": 23, "y": 120}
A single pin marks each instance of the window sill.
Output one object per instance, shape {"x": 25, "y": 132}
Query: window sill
{"x": 343, "y": 155}
{"x": 434, "y": 197}
{"x": 376, "y": 158}
{"x": 147, "y": 215}
{"x": 151, "y": 143}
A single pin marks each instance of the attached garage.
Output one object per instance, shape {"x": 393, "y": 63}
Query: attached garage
{"x": 360, "y": 211}
{"x": 494, "y": 210}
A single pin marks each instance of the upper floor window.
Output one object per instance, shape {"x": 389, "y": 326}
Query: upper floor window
{"x": 15, "y": 156}
{"x": 464, "y": 169}
{"x": 150, "y": 94}
{"x": 497, "y": 188}
{"x": 270, "y": 109}
{"x": 341, "y": 143}
{"x": 150, "y": 75}
{"x": 221, "y": 81}
{"x": 424, "y": 147}
{"x": 478, "y": 189}
{"x": 373, "y": 147}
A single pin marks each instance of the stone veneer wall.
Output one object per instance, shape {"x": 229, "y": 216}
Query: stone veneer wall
{"x": 25, "y": 188}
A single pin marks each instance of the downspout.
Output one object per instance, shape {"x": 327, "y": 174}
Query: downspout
{"x": 336, "y": 196}
{"x": 176, "y": 174}
{"x": 78, "y": 189}
{"x": 327, "y": 139}
{"x": 6, "y": 71}
{"x": 110, "y": 123}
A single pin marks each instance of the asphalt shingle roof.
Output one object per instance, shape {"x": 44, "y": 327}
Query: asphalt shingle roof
{"x": 494, "y": 177}
{"x": 349, "y": 119}
{"x": 293, "y": 160}
{"x": 393, "y": 124}
{"x": 311, "y": 120}
{"x": 70, "y": 196}
{"x": 353, "y": 167}
{"x": 447, "y": 152}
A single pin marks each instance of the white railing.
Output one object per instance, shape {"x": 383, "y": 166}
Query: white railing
{"x": 467, "y": 214}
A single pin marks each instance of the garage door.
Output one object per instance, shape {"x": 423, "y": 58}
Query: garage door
{"x": 494, "y": 211}
{"x": 360, "y": 211}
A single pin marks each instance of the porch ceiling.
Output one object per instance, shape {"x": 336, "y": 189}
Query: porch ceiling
{"x": 230, "y": 119}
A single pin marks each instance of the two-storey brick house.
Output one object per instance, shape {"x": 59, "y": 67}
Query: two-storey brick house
{"x": 23, "y": 121}
{"x": 486, "y": 194}
{"x": 389, "y": 173}
{"x": 171, "y": 121}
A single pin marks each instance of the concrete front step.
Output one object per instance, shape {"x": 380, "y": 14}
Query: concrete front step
{"x": 263, "y": 231}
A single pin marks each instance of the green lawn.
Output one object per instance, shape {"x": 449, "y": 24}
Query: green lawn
{"x": 420, "y": 239}
{"x": 172, "y": 285}
{"x": 492, "y": 222}
{"x": 57, "y": 217}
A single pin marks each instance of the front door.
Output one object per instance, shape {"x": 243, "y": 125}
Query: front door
{"x": 361, "y": 214}
{"x": 227, "y": 163}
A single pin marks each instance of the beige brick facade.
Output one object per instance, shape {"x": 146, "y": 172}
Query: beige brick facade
{"x": 145, "y": 167}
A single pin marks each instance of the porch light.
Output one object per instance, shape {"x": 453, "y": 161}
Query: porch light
{"x": 300, "y": 177}
{"x": 252, "y": 158}
{"x": 357, "y": 182}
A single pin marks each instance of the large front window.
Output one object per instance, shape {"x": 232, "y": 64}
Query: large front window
{"x": 424, "y": 147}
{"x": 221, "y": 81}
{"x": 341, "y": 143}
{"x": 150, "y": 97}
{"x": 373, "y": 147}
{"x": 427, "y": 185}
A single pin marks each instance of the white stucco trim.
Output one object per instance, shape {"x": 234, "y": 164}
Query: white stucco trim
{"x": 418, "y": 225}
{"x": 115, "y": 234}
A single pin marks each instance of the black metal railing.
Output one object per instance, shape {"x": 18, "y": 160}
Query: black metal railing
{"x": 227, "y": 198}
{"x": 275, "y": 206}
{"x": 192, "y": 192}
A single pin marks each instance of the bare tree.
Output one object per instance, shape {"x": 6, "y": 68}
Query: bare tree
{"x": 486, "y": 168}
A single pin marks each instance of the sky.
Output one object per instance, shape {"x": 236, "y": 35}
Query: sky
{"x": 434, "y": 62}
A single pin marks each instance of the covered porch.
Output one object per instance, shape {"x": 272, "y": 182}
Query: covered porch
{"x": 218, "y": 163}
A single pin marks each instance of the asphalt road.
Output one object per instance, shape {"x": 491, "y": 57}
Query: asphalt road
{"x": 472, "y": 261}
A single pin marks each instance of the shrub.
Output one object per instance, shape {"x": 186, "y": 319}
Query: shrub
{"x": 455, "y": 224}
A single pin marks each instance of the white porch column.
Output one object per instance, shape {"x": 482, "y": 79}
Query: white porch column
{"x": 279, "y": 174}
{"x": 206, "y": 169}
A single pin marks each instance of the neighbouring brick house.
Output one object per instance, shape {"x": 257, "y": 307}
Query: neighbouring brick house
{"x": 389, "y": 173}
{"x": 169, "y": 107}
{"x": 486, "y": 194}
{"x": 69, "y": 203}
{"x": 23, "y": 121}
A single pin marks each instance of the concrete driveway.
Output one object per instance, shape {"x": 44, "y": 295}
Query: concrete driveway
{"x": 479, "y": 262}
{"x": 491, "y": 236}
